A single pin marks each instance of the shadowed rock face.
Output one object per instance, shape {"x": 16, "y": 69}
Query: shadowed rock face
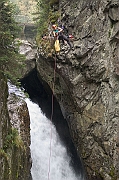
{"x": 87, "y": 82}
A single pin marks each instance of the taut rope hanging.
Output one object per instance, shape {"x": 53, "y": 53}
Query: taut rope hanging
{"x": 52, "y": 111}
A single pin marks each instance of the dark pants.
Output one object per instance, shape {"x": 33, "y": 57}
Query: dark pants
{"x": 65, "y": 38}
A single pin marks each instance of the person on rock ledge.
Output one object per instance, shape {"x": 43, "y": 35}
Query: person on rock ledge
{"x": 58, "y": 34}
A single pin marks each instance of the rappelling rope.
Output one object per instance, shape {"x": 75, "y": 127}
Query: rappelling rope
{"x": 52, "y": 111}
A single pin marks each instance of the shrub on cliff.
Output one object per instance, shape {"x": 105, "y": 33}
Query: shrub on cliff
{"x": 47, "y": 13}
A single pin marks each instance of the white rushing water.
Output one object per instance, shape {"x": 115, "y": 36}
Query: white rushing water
{"x": 49, "y": 157}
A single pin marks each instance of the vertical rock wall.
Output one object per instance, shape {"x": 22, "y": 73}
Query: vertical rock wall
{"x": 87, "y": 83}
{"x": 4, "y": 127}
{"x": 14, "y": 136}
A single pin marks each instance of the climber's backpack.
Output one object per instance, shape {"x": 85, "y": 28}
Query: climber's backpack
{"x": 57, "y": 46}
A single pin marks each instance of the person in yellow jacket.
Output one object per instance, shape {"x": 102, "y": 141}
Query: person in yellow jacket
{"x": 58, "y": 34}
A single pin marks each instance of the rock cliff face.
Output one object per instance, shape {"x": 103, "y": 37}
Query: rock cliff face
{"x": 87, "y": 83}
{"x": 14, "y": 136}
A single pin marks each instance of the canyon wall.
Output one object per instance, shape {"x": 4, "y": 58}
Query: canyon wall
{"x": 87, "y": 82}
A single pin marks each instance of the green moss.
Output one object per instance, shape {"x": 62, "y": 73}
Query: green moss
{"x": 3, "y": 154}
{"x": 112, "y": 173}
{"x": 53, "y": 16}
{"x": 5, "y": 168}
{"x": 109, "y": 33}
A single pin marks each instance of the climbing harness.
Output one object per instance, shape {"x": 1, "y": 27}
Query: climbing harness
{"x": 51, "y": 118}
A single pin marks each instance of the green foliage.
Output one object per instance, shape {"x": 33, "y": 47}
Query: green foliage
{"x": 8, "y": 28}
{"x": 46, "y": 15}
{"x": 43, "y": 11}
{"x": 14, "y": 67}
{"x": 10, "y": 59}
{"x": 13, "y": 140}
{"x": 53, "y": 16}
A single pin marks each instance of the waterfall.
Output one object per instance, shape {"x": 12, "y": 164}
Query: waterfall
{"x": 50, "y": 160}
{"x": 41, "y": 128}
